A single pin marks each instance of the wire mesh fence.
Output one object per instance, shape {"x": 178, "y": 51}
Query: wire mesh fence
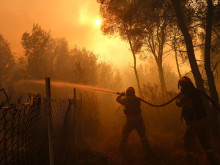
{"x": 23, "y": 135}
{"x": 24, "y": 131}
{"x": 60, "y": 109}
{"x": 60, "y": 122}
{"x": 66, "y": 126}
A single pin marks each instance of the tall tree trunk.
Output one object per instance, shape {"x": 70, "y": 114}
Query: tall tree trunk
{"x": 158, "y": 54}
{"x": 189, "y": 44}
{"x": 161, "y": 39}
{"x": 135, "y": 64}
{"x": 161, "y": 77}
{"x": 177, "y": 64}
{"x": 209, "y": 73}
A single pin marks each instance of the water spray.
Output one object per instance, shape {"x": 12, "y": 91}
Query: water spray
{"x": 89, "y": 87}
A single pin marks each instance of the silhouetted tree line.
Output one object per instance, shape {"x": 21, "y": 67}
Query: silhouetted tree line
{"x": 48, "y": 56}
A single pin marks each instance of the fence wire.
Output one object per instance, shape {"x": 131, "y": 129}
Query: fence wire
{"x": 65, "y": 129}
{"x": 23, "y": 135}
{"x": 24, "y": 130}
{"x": 59, "y": 110}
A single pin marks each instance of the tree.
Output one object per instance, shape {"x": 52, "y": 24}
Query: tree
{"x": 59, "y": 54}
{"x": 118, "y": 20}
{"x": 7, "y": 61}
{"x": 83, "y": 66}
{"x": 133, "y": 51}
{"x": 142, "y": 24}
{"x": 157, "y": 30}
{"x": 208, "y": 69}
{"x": 182, "y": 24}
{"x": 207, "y": 53}
{"x": 176, "y": 44}
{"x": 35, "y": 45}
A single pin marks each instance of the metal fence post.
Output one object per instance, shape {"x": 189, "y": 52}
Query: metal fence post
{"x": 49, "y": 119}
{"x": 75, "y": 119}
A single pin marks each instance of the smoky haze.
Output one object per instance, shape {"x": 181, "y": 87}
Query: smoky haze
{"x": 85, "y": 45}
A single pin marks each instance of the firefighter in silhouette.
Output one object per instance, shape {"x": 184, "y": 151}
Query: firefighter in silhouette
{"x": 133, "y": 118}
{"x": 194, "y": 106}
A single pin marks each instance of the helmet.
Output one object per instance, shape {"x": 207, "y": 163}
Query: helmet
{"x": 130, "y": 91}
{"x": 184, "y": 81}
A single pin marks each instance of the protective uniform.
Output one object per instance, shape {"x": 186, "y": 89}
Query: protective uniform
{"x": 193, "y": 105}
{"x": 133, "y": 118}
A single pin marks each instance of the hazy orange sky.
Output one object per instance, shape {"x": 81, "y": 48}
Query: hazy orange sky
{"x": 72, "y": 19}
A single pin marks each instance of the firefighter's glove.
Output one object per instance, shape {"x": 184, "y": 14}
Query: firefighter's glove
{"x": 122, "y": 94}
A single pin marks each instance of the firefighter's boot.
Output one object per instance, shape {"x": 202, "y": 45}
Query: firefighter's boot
{"x": 213, "y": 158}
{"x": 146, "y": 146}
{"x": 148, "y": 151}
{"x": 122, "y": 145}
{"x": 190, "y": 158}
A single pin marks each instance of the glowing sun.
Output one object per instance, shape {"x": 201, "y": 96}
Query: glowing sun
{"x": 97, "y": 22}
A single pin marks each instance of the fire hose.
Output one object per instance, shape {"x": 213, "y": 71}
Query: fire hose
{"x": 154, "y": 105}
{"x": 171, "y": 100}
{"x": 161, "y": 105}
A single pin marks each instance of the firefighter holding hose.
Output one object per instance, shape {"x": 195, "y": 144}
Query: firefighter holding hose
{"x": 193, "y": 103}
{"x": 133, "y": 119}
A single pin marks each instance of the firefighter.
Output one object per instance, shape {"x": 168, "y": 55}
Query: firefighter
{"x": 133, "y": 118}
{"x": 194, "y": 106}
